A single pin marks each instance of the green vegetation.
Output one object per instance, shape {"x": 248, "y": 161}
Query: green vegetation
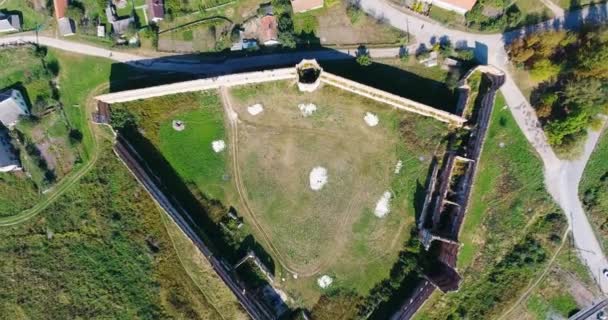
{"x": 593, "y": 189}
{"x": 566, "y": 282}
{"x": 573, "y": 91}
{"x": 89, "y": 257}
{"x": 343, "y": 23}
{"x": 498, "y": 15}
{"x": 101, "y": 250}
{"x": 507, "y": 238}
{"x": 48, "y": 145}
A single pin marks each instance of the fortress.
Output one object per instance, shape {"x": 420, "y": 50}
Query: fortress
{"x": 448, "y": 186}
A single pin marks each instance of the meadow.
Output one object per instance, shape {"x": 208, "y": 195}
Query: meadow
{"x": 103, "y": 249}
{"x": 511, "y": 229}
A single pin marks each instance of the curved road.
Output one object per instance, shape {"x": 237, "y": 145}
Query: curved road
{"x": 561, "y": 177}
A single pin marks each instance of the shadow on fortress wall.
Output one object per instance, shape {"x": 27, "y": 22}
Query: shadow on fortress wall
{"x": 402, "y": 83}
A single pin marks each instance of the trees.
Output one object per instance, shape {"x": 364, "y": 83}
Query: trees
{"x": 543, "y": 70}
{"x": 75, "y": 11}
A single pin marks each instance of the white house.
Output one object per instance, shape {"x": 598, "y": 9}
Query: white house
{"x": 9, "y": 23}
{"x": 458, "y": 6}
{"x": 12, "y": 106}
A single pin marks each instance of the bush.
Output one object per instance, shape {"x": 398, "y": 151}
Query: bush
{"x": 364, "y": 59}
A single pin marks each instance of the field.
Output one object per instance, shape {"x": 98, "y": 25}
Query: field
{"x": 333, "y": 26}
{"x": 593, "y": 189}
{"x": 87, "y": 256}
{"x": 510, "y": 217}
{"x": 310, "y": 233}
{"x": 92, "y": 258}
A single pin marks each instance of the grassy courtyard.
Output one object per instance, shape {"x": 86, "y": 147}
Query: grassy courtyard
{"x": 333, "y": 231}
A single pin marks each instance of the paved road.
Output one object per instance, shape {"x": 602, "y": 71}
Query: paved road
{"x": 561, "y": 177}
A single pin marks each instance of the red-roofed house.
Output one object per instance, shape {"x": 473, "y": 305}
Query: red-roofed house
{"x": 306, "y": 5}
{"x": 269, "y": 31}
{"x": 65, "y": 25}
{"x": 459, "y": 6}
{"x": 156, "y": 10}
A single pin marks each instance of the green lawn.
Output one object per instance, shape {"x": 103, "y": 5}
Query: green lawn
{"x": 497, "y": 210}
{"x": 190, "y": 151}
{"x": 593, "y": 188}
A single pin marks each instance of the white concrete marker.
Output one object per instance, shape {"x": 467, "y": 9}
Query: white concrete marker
{"x": 398, "y": 166}
{"x": 255, "y": 109}
{"x": 371, "y": 119}
{"x": 324, "y": 281}
{"x": 218, "y": 145}
{"x": 383, "y": 205}
{"x": 318, "y": 178}
{"x": 307, "y": 109}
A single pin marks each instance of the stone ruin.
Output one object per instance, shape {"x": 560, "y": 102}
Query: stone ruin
{"x": 309, "y": 75}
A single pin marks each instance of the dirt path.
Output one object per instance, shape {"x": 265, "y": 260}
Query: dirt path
{"x": 233, "y": 120}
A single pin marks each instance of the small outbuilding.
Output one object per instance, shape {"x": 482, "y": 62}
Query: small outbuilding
{"x": 156, "y": 10}
{"x": 9, "y": 161}
{"x": 9, "y": 23}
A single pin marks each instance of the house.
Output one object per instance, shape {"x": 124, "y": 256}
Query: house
{"x": 9, "y": 161}
{"x": 156, "y": 10}
{"x": 12, "y": 106}
{"x": 269, "y": 31}
{"x": 305, "y": 5}
{"x": 458, "y": 6}
{"x": 9, "y": 23}
{"x": 65, "y": 25}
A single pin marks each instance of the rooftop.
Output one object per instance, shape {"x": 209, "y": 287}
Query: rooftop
{"x": 12, "y": 106}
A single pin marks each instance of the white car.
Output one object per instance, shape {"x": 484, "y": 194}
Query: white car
{"x": 605, "y": 273}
